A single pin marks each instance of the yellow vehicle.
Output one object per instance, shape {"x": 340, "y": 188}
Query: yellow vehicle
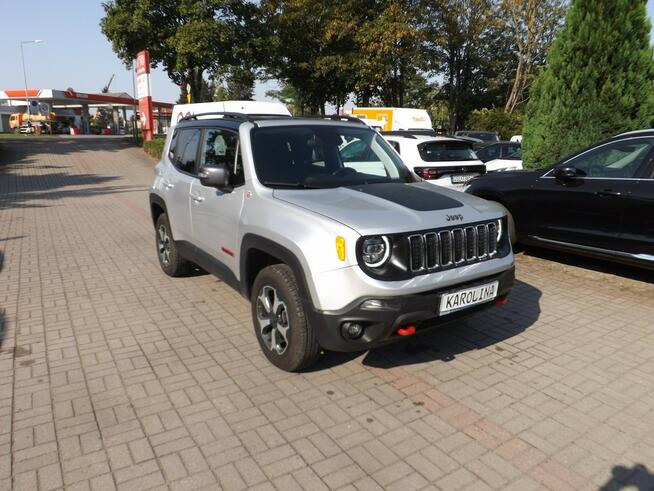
{"x": 394, "y": 118}
{"x": 17, "y": 119}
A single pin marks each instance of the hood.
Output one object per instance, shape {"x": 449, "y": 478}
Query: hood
{"x": 392, "y": 207}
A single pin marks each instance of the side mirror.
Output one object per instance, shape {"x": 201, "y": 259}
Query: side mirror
{"x": 565, "y": 172}
{"x": 214, "y": 176}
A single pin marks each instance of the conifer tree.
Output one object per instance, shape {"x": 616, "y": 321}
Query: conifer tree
{"x": 598, "y": 81}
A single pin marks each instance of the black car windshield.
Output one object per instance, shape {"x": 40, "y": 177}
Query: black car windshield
{"x": 323, "y": 156}
{"x": 487, "y": 137}
{"x": 446, "y": 151}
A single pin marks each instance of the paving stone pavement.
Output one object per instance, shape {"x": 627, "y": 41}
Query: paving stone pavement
{"x": 113, "y": 375}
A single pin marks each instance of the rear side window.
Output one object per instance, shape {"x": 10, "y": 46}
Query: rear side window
{"x": 395, "y": 145}
{"x": 446, "y": 151}
{"x": 511, "y": 149}
{"x": 184, "y": 149}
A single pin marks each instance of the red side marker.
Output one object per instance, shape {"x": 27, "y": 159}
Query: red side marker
{"x": 227, "y": 251}
{"x": 501, "y": 301}
{"x": 406, "y": 331}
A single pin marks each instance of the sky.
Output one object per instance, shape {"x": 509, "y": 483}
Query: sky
{"x": 74, "y": 52}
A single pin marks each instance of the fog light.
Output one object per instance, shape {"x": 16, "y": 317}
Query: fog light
{"x": 351, "y": 330}
{"x": 374, "y": 304}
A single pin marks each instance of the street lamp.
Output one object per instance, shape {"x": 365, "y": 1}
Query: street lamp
{"x": 22, "y": 57}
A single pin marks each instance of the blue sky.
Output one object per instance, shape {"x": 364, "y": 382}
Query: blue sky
{"x": 75, "y": 53}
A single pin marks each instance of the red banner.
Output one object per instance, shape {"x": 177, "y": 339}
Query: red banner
{"x": 145, "y": 99}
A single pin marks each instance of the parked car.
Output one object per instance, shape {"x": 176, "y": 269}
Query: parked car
{"x": 448, "y": 162}
{"x": 330, "y": 257}
{"x": 506, "y": 163}
{"x": 599, "y": 201}
{"x": 501, "y": 156}
{"x": 486, "y": 137}
{"x": 29, "y": 127}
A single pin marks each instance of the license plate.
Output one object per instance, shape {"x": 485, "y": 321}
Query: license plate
{"x": 462, "y": 178}
{"x": 451, "y": 302}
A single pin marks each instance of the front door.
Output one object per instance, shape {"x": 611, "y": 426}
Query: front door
{"x": 215, "y": 213}
{"x": 588, "y": 208}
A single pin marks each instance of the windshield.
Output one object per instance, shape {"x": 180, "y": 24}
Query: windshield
{"x": 487, "y": 137}
{"x": 321, "y": 156}
{"x": 517, "y": 155}
{"x": 446, "y": 151}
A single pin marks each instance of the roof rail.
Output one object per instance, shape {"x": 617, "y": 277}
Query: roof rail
{"x": 335, "y": 117}
{"x": 225, "y": 115}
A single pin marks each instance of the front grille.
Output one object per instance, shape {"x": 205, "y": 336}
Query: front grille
{"x": 458, "y": 246}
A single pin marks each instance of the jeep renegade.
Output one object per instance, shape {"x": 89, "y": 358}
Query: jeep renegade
{"x": 317, "y": 222}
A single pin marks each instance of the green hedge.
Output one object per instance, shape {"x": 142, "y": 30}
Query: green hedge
{"x": 154, "y": 148}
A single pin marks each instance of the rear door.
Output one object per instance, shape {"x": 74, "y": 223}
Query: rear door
{"x": 638, "y": 222}
{"x": 177, "y": 181}
{"x": 588, "y": 209}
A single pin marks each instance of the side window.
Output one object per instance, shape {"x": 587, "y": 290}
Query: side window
{"x": 511, "y": 148}
{"x": 222, "y": 147}
{"x": 489, "y": 153}
{"x": 395, "y": 145}
{"x": 184, "y": 148}
{"x": 618, "y": 160}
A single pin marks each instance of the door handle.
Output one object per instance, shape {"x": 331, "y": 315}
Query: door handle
{"x": 168, "y": 184}
{"x": 608, "y": 192}
{"x": 197, "y": 198}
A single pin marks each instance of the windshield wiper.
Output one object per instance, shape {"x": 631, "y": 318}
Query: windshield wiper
{"x": 290, "y": 185}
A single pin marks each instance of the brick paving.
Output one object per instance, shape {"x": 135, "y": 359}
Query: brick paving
{"x": 113, "y": 375}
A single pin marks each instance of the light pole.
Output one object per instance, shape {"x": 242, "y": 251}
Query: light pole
{"x": 22, "y": 57}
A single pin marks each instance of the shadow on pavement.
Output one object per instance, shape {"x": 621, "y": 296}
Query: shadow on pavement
{"x": 592, "y": 264}
{"x": 21, "y": 188}
{"x": 480, "y": 331}
{"x": 636, "y": 478}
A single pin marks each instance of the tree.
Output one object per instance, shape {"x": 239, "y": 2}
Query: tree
{"x": 188, "y": 37}
{"x": 496, "y": 119}
{"x": 458, "y": 38}
{"x": 598, "y": 81}
{"x": 289, "y": 96}
{"x": 533, "y": 25}
{"x": 234, "y": 84}
{"x": 388, "y": 61}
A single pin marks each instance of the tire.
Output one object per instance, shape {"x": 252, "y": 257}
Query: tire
{"x": 286, "y": 339}
{"x": 170, "y": 260}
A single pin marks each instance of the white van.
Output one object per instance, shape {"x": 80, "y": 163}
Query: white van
{"x": 255, "y": 108}
{"x": 395, "y": 118}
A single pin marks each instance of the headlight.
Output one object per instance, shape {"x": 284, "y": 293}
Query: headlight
{"x": 375, "y": 251}
{"x": 499, "y": 230}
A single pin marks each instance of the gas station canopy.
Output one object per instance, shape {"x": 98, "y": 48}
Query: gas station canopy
{"x": 71, "y": 98}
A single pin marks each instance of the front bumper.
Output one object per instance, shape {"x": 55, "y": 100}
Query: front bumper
{"x": 420, "y": 310}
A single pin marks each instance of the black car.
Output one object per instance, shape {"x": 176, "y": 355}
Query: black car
{"x": 497, "y": 151}
{"x": 598, "y": 202}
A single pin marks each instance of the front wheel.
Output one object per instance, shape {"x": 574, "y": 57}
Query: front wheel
{"x": 280, "y": 323}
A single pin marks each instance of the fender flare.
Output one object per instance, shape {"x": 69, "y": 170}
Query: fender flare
{"x": 155, "y": 199}
{"x": 253, "y": 241}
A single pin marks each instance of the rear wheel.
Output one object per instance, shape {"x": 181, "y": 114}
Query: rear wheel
{"x": 170, "y": 260}
{"x": 280, "y": 323}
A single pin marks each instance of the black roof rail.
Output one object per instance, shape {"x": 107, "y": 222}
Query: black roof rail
{"x": 225, "y": 115}
{"x": 334, "y": 117}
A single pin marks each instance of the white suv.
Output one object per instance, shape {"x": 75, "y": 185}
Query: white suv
{"x": 448, "y": 162}
{"x": 319, "y": 224}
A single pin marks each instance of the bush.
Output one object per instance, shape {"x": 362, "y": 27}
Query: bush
{"x": 504, "y": 124}
{"x": 598, "y": 81}
{"x": 154, "y": 148}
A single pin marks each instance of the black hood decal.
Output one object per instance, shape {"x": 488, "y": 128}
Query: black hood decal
{"x": 413, "y": 197}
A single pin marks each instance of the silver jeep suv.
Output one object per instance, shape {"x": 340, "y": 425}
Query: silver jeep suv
{"x": 334, "y": 241}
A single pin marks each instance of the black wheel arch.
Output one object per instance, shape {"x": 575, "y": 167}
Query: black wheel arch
{"x": 157, "y": 207}
{"x": 258, "y": 252}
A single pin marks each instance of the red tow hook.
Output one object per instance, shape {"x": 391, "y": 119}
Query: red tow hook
{"x": 501, "y": 301}
{"x": 406, "y": 331}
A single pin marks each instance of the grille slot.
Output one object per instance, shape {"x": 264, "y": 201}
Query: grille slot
{"x": 431, "y": 250}
{"x": 435, "y": 250}
{"x": 417, "y": 250}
